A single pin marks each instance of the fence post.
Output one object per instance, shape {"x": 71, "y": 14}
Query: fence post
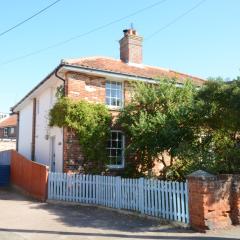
{"x": 119, "y": 192}
{"x": 141, "y": 194}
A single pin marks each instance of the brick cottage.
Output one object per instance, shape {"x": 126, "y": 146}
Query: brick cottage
{"x": 94, "y": 79}
{"x": 8, "y": 128}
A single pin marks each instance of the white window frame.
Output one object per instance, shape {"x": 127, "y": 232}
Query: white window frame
{"x": 122, "y": 95}
{"x": 118, "y": 166}
{"x": 5, "y": 132}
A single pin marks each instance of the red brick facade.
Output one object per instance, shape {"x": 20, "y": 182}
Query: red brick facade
{"x": 214, "y": 202}
{"x": 92, "y": 89}
{"x": 72, "y": 155}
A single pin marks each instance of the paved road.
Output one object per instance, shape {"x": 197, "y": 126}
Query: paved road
{"x": 7, "y": 145}
{"x": 21, "y": 219}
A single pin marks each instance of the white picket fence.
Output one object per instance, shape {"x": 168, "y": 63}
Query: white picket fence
{"x": 164, "y": 199}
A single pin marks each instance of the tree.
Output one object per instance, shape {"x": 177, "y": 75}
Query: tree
{"x": 198, "y": 129}
{"x": 156, "y": 124}
{"x": 217, "y": 118}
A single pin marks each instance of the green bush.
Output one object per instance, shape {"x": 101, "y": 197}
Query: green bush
{"x": 92, "y": 123}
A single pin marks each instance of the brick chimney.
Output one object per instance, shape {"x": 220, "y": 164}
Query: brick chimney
{"x": 131, "y": 47}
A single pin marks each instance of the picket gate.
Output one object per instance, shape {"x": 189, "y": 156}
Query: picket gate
{"x": 163, "y": 199}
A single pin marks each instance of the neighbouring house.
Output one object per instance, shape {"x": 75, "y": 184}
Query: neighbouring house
{"x": 95, "y": 79}
{"x": 8, "y": 127}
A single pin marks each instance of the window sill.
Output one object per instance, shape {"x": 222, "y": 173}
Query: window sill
{"x": 113, "y": 108}
{"x": 115, "y": 167}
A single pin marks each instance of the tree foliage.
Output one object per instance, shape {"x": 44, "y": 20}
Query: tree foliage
{"x": 198, "y": 129}
{"x": 91, "y": 122}
{"x": 216, "y": 118}
{"x": 155, "y": 124}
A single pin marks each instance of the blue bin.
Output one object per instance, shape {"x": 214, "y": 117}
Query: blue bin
{"x": 4, "y": 175}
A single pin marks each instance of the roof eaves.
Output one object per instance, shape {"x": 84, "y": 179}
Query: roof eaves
{"x": 106, "y": 71}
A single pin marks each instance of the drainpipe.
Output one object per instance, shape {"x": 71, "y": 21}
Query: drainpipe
{"x": 33, "y": 129}
{"x": 64, "y": 84}
{"x": 17, "y": 132}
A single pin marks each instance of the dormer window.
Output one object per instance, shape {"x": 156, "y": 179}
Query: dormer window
{"x": 114, "y": 94}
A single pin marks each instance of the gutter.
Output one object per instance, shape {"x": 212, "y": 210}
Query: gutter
{"x": 105, "y": 73}
{"x": 87, "y": 70}
{"x": 56, "y": 73}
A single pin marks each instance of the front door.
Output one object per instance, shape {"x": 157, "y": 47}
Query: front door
{"x": 52, "y": 154}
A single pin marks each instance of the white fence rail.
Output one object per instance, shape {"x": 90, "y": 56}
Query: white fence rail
{"x": 164, "y": 199}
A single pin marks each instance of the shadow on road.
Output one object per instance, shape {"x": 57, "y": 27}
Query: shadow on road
{"x": 111, "y": 235}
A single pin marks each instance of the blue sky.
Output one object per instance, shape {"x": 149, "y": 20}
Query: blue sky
{"x": 203, "y": 43}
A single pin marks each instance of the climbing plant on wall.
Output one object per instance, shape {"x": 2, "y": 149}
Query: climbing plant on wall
{"x": 91, "y": 122}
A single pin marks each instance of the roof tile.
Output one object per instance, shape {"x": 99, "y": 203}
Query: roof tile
{"x": 137, "y": 70}
{"x": 9, "y": 121}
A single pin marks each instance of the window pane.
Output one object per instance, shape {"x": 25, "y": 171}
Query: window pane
{"x": 119, "y": 144}
{"x": 114, "y": 135}
{"x": 119, "y": 102}
{"x": 108, "y": 85}
{"x": 113, "y": 93}
{"x": 108, "y": 93}
{"x": 120, "y": 135}
{"x": 119, "y": 152}
{"x": 114, "y": 144}
{"x": 108, "y": 101}
{"x": 119, "y": 94}
{"x": 119, "y": 86}
{"x": 119, "y": 161}
{"x": 113, "y": 152}
{"x": 113, "y": 102}
{"x": 113, "y": 84}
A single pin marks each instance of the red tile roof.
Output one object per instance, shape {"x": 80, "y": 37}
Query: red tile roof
{"x": 137, "y": 70}
{"x": 9, "y": 121}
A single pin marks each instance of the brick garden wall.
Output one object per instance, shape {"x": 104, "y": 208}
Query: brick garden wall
{"x": 214, "y": 201}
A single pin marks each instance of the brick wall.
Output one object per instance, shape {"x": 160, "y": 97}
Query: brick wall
{"x": 85, "y": 87}
{"x": 92, "y": 89}
{"x": 72, "y": 155}
{"x": 235, "y": 200}
{"x": 214, "y": 201}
